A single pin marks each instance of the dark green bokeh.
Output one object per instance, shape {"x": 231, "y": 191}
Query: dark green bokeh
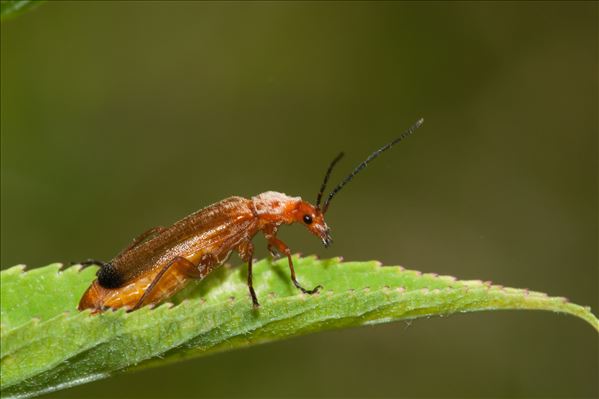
{"x": 120, "y": 116}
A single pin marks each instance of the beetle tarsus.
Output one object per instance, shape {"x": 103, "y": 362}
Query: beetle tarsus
{"x": 255, "y": 303}
{"x": 305, "y": 291}
{"x": 314, "y": 290}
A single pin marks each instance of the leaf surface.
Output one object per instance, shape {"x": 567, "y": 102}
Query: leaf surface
{"x": 46, "y": 344}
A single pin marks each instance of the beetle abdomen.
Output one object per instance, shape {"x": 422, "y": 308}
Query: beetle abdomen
{"x": 109, "y": 277}
{"x": 98, "y": 297}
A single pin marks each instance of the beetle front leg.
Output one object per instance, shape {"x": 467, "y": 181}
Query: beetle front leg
{"x": 283, "y": 248}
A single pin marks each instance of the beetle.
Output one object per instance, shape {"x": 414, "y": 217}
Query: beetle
{"x": 162, "y": 260}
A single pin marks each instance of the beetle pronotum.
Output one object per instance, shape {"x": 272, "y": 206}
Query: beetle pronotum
{"x": 162, "y": 260}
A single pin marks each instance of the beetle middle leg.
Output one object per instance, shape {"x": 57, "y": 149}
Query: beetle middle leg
{"x": 272, "y": 251}
{"x": 283, "y": 248}
{"x": 246, "y": 252}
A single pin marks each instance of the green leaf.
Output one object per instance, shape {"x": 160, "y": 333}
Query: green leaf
{"x": 47, "y": 345}
{"x": 12, "y": 8}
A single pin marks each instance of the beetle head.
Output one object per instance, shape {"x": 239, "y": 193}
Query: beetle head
{"x": 313, "y": 218}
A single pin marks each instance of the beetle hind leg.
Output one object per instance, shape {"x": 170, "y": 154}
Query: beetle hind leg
{"x": 178, "y": 263}
{"x": 179, "y": 269}
{"x": 89, "y": 262}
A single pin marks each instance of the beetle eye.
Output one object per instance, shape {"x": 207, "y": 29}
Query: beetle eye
{"x": 307, "y": 219}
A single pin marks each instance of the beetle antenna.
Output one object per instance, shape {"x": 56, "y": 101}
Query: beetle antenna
{"x": 326, "y": 178}
{"x": 372, "y": 156}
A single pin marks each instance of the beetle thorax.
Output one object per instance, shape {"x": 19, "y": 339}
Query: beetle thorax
{"x": 274, "y": 205}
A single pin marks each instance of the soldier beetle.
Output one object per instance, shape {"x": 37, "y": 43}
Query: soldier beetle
{"x": 162, "y": 260}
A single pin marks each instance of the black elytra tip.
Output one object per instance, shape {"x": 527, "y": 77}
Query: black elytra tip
{"x": 108, "y": 276}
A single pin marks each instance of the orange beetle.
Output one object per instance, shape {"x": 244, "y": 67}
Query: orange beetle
{"x": 162, "y": 260}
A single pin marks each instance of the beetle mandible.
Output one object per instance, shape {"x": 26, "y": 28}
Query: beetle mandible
{"x": 162, "y": 260}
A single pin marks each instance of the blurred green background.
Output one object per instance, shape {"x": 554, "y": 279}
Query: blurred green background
{"x": 119, "y": 116}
